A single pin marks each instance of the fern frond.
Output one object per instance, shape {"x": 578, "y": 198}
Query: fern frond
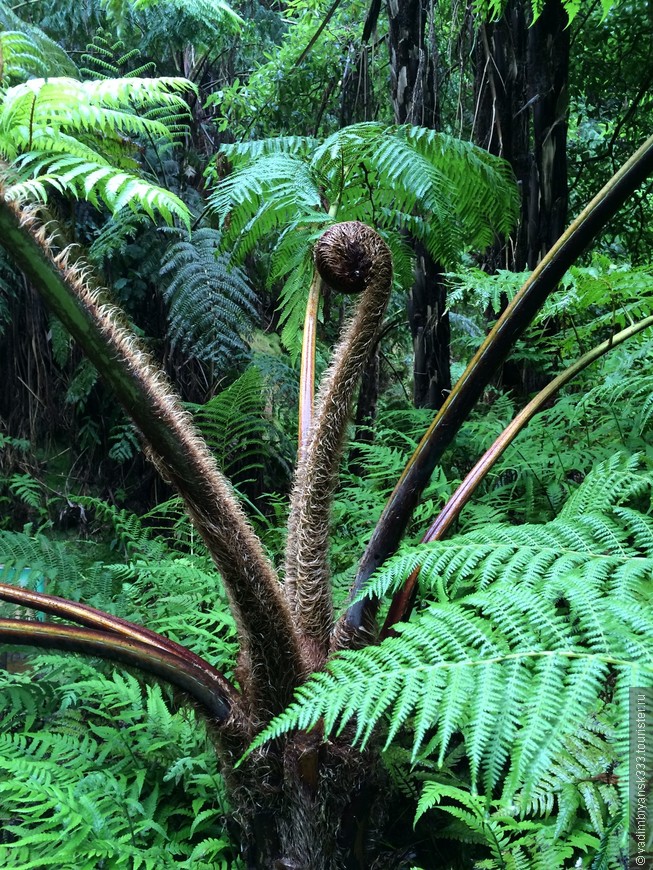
{"x": 63, "y": 133}
{"x": 266, "y": 194}
{"x": 36, "y": 54}
{"x": 73, "y": 791}
{"x": 234, "y": 426}
{"x": 108, "y": 59}
{"x": 243, "y": 152}
{"x": 48, "y": 561}
{"x": 211, "y": 306}
{"x": 215, "y": 13}
{"x": 531, "y": 619}
{"x": 95, "y": 181}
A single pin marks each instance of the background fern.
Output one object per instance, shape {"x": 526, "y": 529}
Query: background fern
{"x": 382, "y": 175}
{"x": 79, "y": 791}
{"x": 95, "y": 767}
{"x": 211, "y": 307}
{"x": 70, "y": 135}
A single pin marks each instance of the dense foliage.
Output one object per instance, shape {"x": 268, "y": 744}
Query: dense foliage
{"x": 188, "y": 156}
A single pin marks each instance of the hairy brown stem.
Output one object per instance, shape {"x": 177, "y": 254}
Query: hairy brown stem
{"x": 494, "y": 350}
{"x": 198, "y": 683}
{"x": 402, "y": 602}
{"x": 271, "y": 659}
{"x": 352, "y": 258}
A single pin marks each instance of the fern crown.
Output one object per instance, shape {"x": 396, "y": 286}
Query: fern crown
{"x": 448, "y": 194}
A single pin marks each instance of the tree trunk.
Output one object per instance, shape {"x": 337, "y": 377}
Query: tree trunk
{"x": 429, "y": 324}
{"x": 307, "y": 805}
{"x": 548, "y": 75}
{"x": 522, "y": 71}
{"x": 521, "y": 81}
{"x": 413, "y": 70}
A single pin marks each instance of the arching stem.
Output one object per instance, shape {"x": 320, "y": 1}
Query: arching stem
{"x": 88, "y": 616}
{"x": 402, "y": 603}
{"x": 271, "y": 659}
{"x": 209, "y": 691}
{"x": 309, "y": 337}
{"x": 494, "y": 350}
{"x": 353, "y": 258}
{"x": 307, "y": 372}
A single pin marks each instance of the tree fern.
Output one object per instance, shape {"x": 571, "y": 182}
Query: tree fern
{"x": 212, "y": 15}
{"x": 384, "y": 176}
{"x": 411, "y": 170}
{"x": 211, "y": 307}
{"x": 525, "y": 626}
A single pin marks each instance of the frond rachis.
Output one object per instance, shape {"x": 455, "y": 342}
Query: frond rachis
{"x": 352, "y": 258}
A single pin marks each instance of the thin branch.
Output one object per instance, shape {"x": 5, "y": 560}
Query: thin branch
{"x": 403, "y": 600}
{"x": 329, "y": 15}
{"x": 494, "y": 350}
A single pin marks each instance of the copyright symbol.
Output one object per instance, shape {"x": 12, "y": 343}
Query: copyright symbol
{"x": 639, "y": 859}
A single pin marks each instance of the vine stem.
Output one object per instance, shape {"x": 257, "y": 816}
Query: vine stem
{"x": 402, "y": 603}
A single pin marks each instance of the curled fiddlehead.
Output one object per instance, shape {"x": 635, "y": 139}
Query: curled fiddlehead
{"x": 352, "y": 258}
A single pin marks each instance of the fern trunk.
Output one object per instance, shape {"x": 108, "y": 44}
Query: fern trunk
{"x": 308, "y": 805}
